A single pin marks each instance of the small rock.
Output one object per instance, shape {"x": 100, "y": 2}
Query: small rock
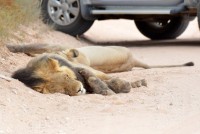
{"x": 47, "y": 118}
{"x": 14, "y": 90}
{"x": 8, "y": 99}
{"x": 67, "y": 118}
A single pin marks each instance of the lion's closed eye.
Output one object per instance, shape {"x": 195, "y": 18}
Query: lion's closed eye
{"x": 79, "y": 91}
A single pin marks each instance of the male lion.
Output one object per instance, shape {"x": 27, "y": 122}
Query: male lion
{"x": 107, "y": 59}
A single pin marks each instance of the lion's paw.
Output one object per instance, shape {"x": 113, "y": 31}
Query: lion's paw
{"x": 139, "y": 83}
{"x": 118, "y": 85}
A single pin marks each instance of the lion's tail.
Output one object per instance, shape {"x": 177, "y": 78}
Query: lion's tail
{"x": 143, "y": 65}
{"x": 180, "y": 65}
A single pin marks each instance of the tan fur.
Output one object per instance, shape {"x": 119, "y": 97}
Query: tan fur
{"x": 74, "y": 56}
{"x": 58, "y": 79}
{"x": 107, "y": 59}
{"x": 95, "y": 59}
{"x": 52, "y": 77}
{"x": 111, "y": 59}
{"x": 51, "y": 73}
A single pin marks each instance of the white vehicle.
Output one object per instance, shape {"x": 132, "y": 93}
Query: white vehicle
{"x": 155, "y": 19}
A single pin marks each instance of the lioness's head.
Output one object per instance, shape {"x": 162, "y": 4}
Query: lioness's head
{"x": 75, "y": 56}
{"x": 46, "y": 75}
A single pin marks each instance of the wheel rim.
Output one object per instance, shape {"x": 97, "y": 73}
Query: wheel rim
{"x": 160, "y": 24}
{"x": 63, "y": 12}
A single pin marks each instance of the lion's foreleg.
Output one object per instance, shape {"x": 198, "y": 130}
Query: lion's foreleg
{"x": 96, "y": 85}
{"x": 99, "y": 87}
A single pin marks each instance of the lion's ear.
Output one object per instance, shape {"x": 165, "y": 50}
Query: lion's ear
{"x": 73, "y": 53}
{"x": 53, "y": 64}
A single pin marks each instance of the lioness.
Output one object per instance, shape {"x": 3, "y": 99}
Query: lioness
{"x": 107, "y": 59}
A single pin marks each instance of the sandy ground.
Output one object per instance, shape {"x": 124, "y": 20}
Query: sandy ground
{"x": 169, "y": 105}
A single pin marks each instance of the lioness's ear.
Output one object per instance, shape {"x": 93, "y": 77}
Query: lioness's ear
{"x": 73, "y": 53}
{"x": 53, "y": 64}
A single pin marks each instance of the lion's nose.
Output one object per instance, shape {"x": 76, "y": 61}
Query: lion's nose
{"x": 82, "y": 90}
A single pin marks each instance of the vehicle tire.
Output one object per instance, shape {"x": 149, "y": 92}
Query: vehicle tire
{"x": 163, "y": 29}
{"x": 65, "y": 16}
{"x": 198, "y": 14}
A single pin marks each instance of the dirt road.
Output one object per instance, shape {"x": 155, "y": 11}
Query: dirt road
{"x": 169, "y": 105}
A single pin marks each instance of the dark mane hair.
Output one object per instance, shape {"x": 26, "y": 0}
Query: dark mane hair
{"x": 26, "y": 76}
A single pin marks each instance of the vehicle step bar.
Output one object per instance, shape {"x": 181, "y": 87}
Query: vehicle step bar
{"x": 138, "y": 10}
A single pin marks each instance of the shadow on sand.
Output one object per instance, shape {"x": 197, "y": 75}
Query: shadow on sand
{"x": 144, "y": 43}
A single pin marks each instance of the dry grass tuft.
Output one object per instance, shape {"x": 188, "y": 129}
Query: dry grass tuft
{"x": 14, "y": 13}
